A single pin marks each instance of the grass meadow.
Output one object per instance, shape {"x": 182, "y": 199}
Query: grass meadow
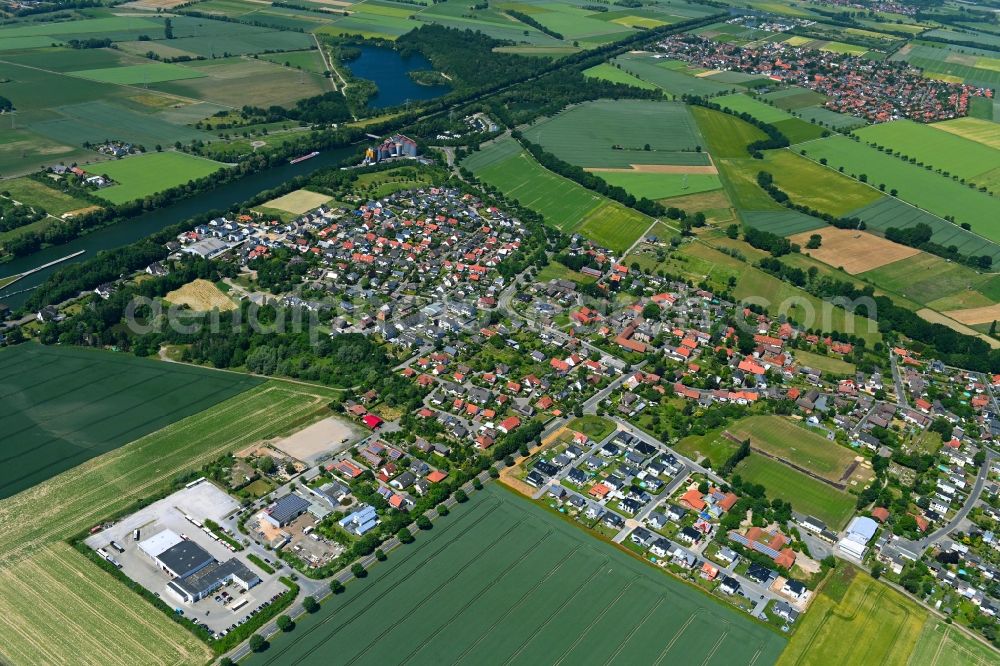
{"x": 726, "y": 135}
{"x": 502, "y": 580}
{"x": 784, "y": 439}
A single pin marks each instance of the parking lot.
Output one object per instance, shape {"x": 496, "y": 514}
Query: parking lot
{"x": 223, "y": 608}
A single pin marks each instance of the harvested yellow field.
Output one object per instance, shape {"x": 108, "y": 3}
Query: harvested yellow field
{"x": 854, "y": 251}
{"x": 974, "y": 129}
{"x": 56, "y": 591}
{"x": 972, "y": 316}
{"x": 938, "y": 318}
{"x": 298, "y": 202}
{"x": 201, "y": 296}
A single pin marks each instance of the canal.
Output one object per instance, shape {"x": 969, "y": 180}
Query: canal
{"x": 134, "y": 229}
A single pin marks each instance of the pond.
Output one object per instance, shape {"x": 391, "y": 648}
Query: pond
{"x": 390, "y": 72}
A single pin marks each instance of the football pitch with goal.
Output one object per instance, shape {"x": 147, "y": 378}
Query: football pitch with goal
{"x": 500, "y": 580}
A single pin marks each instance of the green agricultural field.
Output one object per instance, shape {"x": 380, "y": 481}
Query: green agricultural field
{"x": 67, "y": 405}
{"x": 796, "y": 129}
{"x": 727, "y": 136}
{"x": 794, "y": 98}
{"x": 944, "y": 644}
{"x": 813, "y": 185}
{"x": 662, "y": 75}
{"x": 928, "y": 279}
{"x": 37, "y": 523}
{"x": 926, "y": 189}
{"x": 839, "y": 627}
{"x": 110, "y": 24}
{"x": 155, "y": 72}
{"x": 929, "y": 145}
{"x": 786, "y": 440}
{"x": 806, "y": 495}
{"x": 661, "y": 185}
{"x": 826, "y": 118}
{"x": 31, "y": 192}
{"x": 504, "y": 580}
{"x": 889, "y": 212}
{"x": 137, "y": 177}
{"x": 564, "y": 204}
{"x": 307, "y": 60}
{"x": 781, "y": 222}
{"x": 586, "y": 134}
{"x": 608, "y": 72}
{"x": 740, "y": 179}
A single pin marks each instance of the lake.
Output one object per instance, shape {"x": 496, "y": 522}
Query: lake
{"x": 390, "y": 72}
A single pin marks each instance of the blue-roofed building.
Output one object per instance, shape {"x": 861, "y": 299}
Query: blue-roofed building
{"x": 361, "y": 521}
{"x": 287, "y": 509}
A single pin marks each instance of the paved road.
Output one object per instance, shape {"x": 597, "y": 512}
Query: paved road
{"x": 897, "y": 381}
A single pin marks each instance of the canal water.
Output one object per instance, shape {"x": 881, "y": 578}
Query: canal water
{"x": 134, "y": 229}
{"x": 390, "y": 72}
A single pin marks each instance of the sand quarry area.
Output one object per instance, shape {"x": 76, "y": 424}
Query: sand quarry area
{"x": 324, "y": 438}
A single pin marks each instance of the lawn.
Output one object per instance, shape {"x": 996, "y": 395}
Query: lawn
{"x": 942, "y": 150}
{"x": 806, "y": 495}
{"x": 504, "y": 580}
{"x": 137, "y": 177}
{"x": 556, "y": 271}
{"x": 843, "y": 631}
{"x": 712, "y": 445}
{"x": 835, "y": 366}
{"x": 620, "y": 133}
{"x": 37, "y": 522}
{"x": 67, "y": 405}
{"x": 934, "y": 192}
{"x": 594, "y": 427}
{"x": 786, "y": 440}
{"x": 563, "y": 203}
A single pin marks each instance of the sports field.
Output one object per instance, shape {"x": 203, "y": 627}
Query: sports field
{"x": 140, "y": 176}
{"x": 564, "y": 204}
{"x": 805, "y": 494}
{"x": 504, "y": 581}
{"x": 37, "y": 521}
{"x": 868, "y": 623}
{"x": 943, "y": 150}
{"x": 616, "y": 133}
{"x": 932, "y": 191}
{"x": 65, "y": 405}
{"x": 784, "y": 439}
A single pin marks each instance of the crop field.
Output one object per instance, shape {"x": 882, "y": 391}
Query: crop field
{"x": 661, "y": 185}
{"x": 933, "y": 192}
{"x": 794, "y": 97}
{"x": 809, "y": 183}
{"x": 661, "y": 75}
{"x": 227, "y": 81}
{"x": 608, "y": 72}
{"x": 943, "y": 644}
{"x": 66, "y": 405}
{"x": 841, "y": 630}
{"x": 307, "y": 60}
{"x": 890, "y": 212}
{"x": 152, "y": 73}
{"x": 933, "y": 281}
{"x": 806, "y": 495}
{"x": 981, "y": 131}
{"x": 147, "y": 174}
{"x": 298, "y": 202}
{"x": 585, "y": 134}
{"x": 826, "y": 118}
{"x": 782, "y": 222}
{"x": 726, "y": 135}
{"x": 564, "y": 204}
{"x": 942, "y": 150}
{"x": 37, "y": 521}
{"x": 784, "y": 439}
{"x": 109, "y": 24}
{"x": 504, "y": 581}
{"x": 854, "y": 251}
